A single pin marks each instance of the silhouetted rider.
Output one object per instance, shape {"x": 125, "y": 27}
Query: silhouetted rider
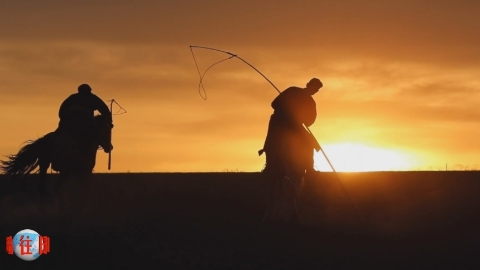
{"x": 293, "y": 108}
{"x": 77, "y": 111}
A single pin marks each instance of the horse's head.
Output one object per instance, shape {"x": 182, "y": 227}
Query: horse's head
{"x": 104, "y": 133}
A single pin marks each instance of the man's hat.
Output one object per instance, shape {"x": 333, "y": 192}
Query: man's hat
{"x": 315, "y": 83}
{"x": 84, "y": 88}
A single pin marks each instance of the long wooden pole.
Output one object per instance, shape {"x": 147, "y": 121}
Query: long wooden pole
{"x": 110, "y": 152}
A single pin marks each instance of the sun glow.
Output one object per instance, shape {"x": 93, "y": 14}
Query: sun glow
{"x": 352, "y": 157}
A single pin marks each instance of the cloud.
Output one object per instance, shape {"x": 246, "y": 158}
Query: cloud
{"x": 402, "y": 31}
{"x": 398, "y": 73}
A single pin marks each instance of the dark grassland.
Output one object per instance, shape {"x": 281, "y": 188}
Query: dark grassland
{"x": 412, "y": 220}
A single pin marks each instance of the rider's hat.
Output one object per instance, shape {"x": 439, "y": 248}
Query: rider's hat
{"x": 84, "y": 88}
{"x": 315, "y": 83}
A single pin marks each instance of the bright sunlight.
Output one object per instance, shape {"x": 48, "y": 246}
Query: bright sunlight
{"x": 353, "y": 157}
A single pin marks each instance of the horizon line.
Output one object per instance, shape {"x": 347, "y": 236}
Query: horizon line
{"x": 258, "y": 172}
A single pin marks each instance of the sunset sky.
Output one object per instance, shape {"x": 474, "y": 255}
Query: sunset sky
{"x": 401, "y": 78}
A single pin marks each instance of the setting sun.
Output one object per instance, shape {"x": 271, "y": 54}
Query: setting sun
{"x": 353, "y": 157}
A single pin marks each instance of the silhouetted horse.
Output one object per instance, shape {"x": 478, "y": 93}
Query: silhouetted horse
{"x": 285, "y": 171}
{"x": 60, "y": 151}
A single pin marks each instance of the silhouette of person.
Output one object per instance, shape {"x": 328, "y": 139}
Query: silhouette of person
{"x": 293, "y": 108}
{"x": 77, "y": 111}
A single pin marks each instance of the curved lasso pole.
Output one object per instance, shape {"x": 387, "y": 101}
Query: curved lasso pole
{"x": 234, "y": 55}
{"x": 318, "y": 147}
{"x": 110, "y": 152}
{"x": 112, "y": 114}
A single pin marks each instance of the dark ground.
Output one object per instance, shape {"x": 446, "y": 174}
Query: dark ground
{"x": 413, "y": 220}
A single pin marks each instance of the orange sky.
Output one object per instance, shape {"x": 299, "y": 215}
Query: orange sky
{"x": 399, "y": 76}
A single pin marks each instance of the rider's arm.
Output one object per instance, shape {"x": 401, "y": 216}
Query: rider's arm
{"x": 103, "y": 108}
{"x": 310, "y": 112}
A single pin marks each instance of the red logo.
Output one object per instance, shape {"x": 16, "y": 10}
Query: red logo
{"x": 26, "y": 244}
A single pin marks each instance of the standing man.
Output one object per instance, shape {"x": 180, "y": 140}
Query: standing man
{"x": 289, "y": 149}
{"x": 293, "y": 108}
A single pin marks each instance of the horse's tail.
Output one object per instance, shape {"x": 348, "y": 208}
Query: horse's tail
{"x": 27, "y": 159}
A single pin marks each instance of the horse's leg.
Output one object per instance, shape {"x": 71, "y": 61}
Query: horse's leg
{"x": 282, "y": 186}
{"x": 84, "y": 201}
{"x": 274, "y": 209}
{"x": 81, "y": 201}
{"x": 272, "y": 194}
{"x": 63, "y": 207}
{"x": 42, "y": 187}
{"x": 275, "y": 174}
{"x": 20, "y": 190}
{"x": 293, "y": 199}
{"x": 74, "y": 194}
{"x": 64, "y": 216}
{"x": 294, "y": 190}
{"x": 275, "y": 201}
{"x": 281, "y": 209}
{"x": 284, "y": 192}
{"x": 285, "y": 199}
{"x": 267, "y": 179}
{"x": 291, "y": 188}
